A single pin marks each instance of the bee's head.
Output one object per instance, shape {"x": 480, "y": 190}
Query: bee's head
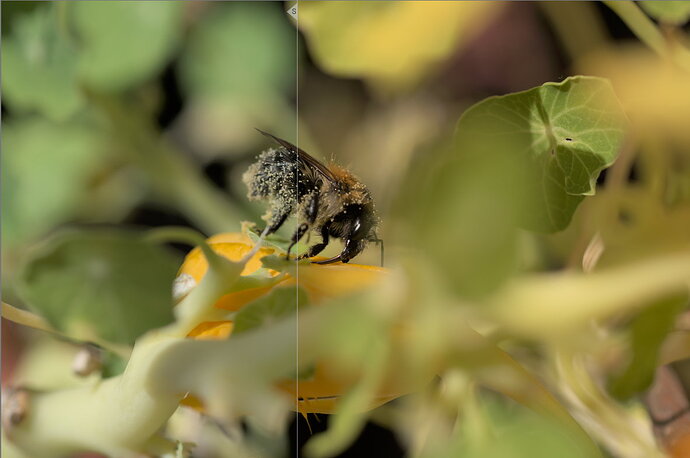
{"x": 358, "y": 224}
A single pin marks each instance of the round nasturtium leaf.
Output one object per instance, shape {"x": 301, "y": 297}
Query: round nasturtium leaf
{"x": 125, "y": 43}
{"x": 239, "y": 49}
{"x": 564, "y": 134}
{"x": 520, "y": 160}
{"x": 107, "y": 284}
{"x": 46, "y": 169}
{"x": 39, "y": 67}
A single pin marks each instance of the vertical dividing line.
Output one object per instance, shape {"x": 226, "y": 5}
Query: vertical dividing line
{"x": 296, "y": 257}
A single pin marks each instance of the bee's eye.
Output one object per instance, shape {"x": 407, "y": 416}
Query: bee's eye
{"x": 358, "y": 229}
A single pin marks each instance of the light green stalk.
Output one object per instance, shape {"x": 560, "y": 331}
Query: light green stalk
{"x": 647, "y": 31}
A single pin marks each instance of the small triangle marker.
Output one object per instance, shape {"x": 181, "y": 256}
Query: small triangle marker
{"x": 292, "y": 11}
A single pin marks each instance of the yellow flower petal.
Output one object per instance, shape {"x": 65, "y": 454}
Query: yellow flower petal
{"x": 192, "y": 401}
{"x": 321, "y": 282}
{"x": 230, "y": 237}
{"x": 335, "y": 280}
{"x": 237, "y": 300}
{"x": 195, "y": 263}
{"x": 322, "y": 392}
{"x": 212, "y": 330}
{"x": 391, "y": 44}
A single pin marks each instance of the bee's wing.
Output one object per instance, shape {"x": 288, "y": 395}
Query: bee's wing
{"x": 305, "y": 158}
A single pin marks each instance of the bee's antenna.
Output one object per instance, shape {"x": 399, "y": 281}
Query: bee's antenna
{"x": 380, "y": 242}
{"x": 284, "y": 143}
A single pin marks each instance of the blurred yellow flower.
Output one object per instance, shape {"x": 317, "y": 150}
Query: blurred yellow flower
{"x": 654, "y": 92}
{"x": 393, "y": 44}
{"x": 318, "y": 394}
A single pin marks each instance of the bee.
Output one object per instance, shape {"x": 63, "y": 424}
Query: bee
{"x": 326, "y": 199}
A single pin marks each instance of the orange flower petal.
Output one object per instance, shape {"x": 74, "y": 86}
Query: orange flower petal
{"x": 192, "y": 401}
{"x": 237, "y": 300}
{"x": 212, "y": 330}
{"x": 322, "y": 392}
{"x": 321, "y": 282}
{"x": 195, "y": 263}
{"x": 230, "y": 237}
{"x": 329, "y": 405}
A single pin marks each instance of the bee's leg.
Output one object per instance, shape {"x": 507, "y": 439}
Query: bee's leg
{"x": 313, "y": 208}
{"x": 311, "y": 212}
{"x": 301, "y": 230}
{"x": 277, "y": 222}
{"x": 318, "y": 248}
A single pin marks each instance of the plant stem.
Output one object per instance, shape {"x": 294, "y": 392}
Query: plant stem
{"x": 548, "y": 306}
{"x": 117, "y": 416}
{"x": 639, "y": 23}
{"x": 517, "y": 382}
{"x": 173, "y": 176}
{"x": 647, "y": 31}
{"x": 609, "y": 422}
{"x": 25, "y": 318}
{"x": 31, "y": 320}
{"x": 175, "y": 234}
{"x": 578, "y": 26}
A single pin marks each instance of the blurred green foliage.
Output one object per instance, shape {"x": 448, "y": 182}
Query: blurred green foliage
{"x": 66, "y": 147}
{"x": 512, "y": 431}
{"x": 243, "y": 51}
{"x": 648, "y": 331}
{"x": 46, "y": 168}
{"x": 122, "y": 44}
{"x": 100, "y": 286}
{"x": 278, "y": 304}
{"x": 40, "y": 67}
{"x": 509, "y": 265}
{"x": 676, "y": 13}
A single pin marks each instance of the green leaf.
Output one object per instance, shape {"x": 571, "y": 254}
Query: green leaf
{"x": 45, "y": 169}
{"x": 125, "y": 43}
{"x": 280, "y": 303}
{"x": 39, "y": 67}
{"x": 648, "y": 331}
{"x": 12, "y": 10}
{"x": 670, "y": 12}
{"x": 462, "y": 215}
{"x": 564, "y": 134}
{"x": 524, "y": 159}
{"x": 106, "y": 284}
{"x": 112, "y": 364}
{"x": 239, "y": 49}
{"x": 517, "y": 432}
{"x": 273, "y": 240}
